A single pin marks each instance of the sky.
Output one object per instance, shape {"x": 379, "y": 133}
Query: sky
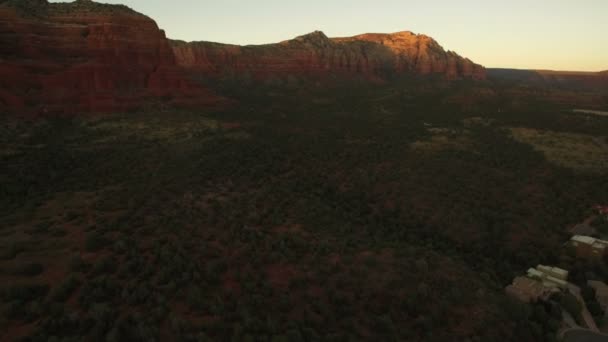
{"x": 525, "y": 34}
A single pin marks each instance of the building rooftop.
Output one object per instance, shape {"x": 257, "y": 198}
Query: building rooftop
{"x": 553, "y": 270}
{"x": 549, "y": 277}
{"x": 534, "y": 273}
{"x": 540, "y": 282}
{"x": 588, "y": 240}
{"x": 556, "y": 281}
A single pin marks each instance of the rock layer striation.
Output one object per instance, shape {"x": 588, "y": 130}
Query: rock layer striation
{"x": 86, "y": 57}
{"x": 369, "y": 55}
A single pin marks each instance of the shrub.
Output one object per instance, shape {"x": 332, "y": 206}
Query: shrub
{"x": 105, "y": 265}
{"x": 95, "y": 241}
{"x": 29, "y": 270}
{"x": 59, "y": 232}
{"x": 594, "y": 308}
{"x": 571, "y": 304}
{"x": 280, "y": 338}
{"x": 71, "y": 216}
{"x": 25, "y": 292}
{"x": 77, "y": 264}
{"x": 40, "y": 227}
{"x": 215, "y": 268}
{"x": 294, "y": 335}
{"x": 10, "y": 252}
{"x": 63, "y": 291}
{"x": 98, "y": 290}
{"x": 587, "y": 292}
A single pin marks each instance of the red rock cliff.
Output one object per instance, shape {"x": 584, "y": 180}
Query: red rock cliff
{"x": 422, "y": 55}
{"x": 371, "y": 55}
{"x": 89, "y": 57}
{"x": 84, "y": 57}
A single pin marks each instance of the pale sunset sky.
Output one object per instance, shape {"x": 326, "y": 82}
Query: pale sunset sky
{"x": 525, "y": 34}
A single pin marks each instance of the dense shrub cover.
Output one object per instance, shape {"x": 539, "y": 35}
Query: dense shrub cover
{"x": 302, "y": 214}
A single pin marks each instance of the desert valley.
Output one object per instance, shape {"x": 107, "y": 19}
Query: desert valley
{"x": 366, "y": 188}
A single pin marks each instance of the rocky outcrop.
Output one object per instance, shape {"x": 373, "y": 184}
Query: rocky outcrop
{"x": 86, "y": 57}
{"x": 422, "y": 55}
{"x": 369, "y": 55}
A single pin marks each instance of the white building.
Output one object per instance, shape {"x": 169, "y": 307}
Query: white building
{"x": 550, "y": 277}
{"x": 554, "y": 272}
{"x": 539, "y": 284}
{"x": 588, "y": 246}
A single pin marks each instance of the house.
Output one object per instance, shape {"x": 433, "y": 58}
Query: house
{"x": 555, "y": 272}
{"x": 529, "y": 290}
{"x": 588, "y": 247}
{"x": 539, "y": 284}
{"x": 601, "y": 293}
{"x": 550, "y": 277}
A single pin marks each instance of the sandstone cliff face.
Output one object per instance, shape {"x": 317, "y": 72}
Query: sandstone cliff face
{"x": 422, "y": 55}
{"x": 86, "y": 57}
{"x": 370, "y": 55}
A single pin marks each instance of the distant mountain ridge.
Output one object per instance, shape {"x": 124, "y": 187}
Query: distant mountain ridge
{"x": 574, "y": 80}
{"x": 314, "y": 54}
{"x": 43, "y": 8}
{"x": 85, "y": 56}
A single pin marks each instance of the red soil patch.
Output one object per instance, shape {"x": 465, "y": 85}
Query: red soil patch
{"x": 366, "y": 254}
{"x": 334, "y": 259}
{"x": 279, "y": 275}
{"x": 517, "y": 237}
{"x": 466, "y": 320}
{"x": 54, "y": 274}
{"x": 290, "y": 229}
{"x": 231, "y": 125}
{"x": 230, "y": 284}
{"x": 315, "y": 291}
{"x": 18, "y": 332}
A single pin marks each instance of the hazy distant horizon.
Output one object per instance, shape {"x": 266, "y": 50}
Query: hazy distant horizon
{"x": 542, "y": 35}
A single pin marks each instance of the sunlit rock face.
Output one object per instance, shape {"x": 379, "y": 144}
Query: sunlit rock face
{"x": 422, "y": 55}
{"x": 79, "y": 57}
{"x": 314, "y": 54}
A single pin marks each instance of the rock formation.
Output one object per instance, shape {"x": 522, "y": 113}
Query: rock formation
{"x": 86, "y": 57}
{"x": 369, "y": 55}
{"x": 83, "y": 56}
{"x": 422, "y": 55}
